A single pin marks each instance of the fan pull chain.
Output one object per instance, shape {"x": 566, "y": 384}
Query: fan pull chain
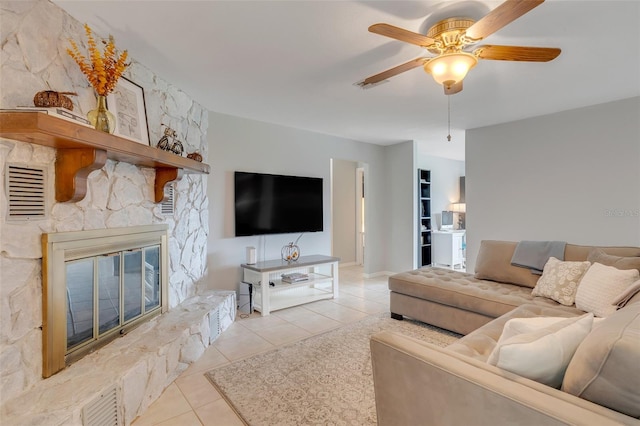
{"x": 449, "y": 117}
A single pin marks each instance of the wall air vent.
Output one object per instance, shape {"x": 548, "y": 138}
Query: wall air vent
{"x": 102, "y": 411}
{"x": 25, "y": 192}
{"x": 168, "y": 205}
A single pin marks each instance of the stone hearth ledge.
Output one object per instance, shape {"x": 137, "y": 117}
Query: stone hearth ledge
{"x": 140, "y": 364}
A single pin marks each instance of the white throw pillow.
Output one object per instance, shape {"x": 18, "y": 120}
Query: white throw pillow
{"x": 559, "y": 280}
{"x": 544, "y": 353}
{"x": 600, "y": 287}
{"x": 516, "y": 326}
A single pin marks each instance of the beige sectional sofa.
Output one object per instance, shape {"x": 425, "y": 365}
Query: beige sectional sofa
{"x": 419, "y": 383}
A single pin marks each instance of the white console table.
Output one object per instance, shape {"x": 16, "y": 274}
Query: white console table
{"x": 270, "y": 293}
{"x": 447, "y": 248}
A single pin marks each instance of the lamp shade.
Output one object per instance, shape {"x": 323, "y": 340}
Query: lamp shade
{"x": 450, "y": 68}
{"x": 458, "y": 207}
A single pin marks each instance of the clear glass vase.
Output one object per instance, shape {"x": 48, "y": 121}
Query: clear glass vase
{"x": 101, "y": 118}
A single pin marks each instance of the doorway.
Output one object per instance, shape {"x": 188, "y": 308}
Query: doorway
{"x": 348, "y": 211}
{"x": 360, "y": 211}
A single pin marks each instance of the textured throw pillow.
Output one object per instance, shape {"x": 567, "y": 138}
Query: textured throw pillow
{"x": 542, "y": 354}
{"x": 559, "y": 280}
{"x": 604, "y": 368}
{"x": 596, "y": 255}
{"x": 601, "y": 286}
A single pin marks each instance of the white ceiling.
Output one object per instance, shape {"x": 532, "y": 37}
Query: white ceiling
{"x": 295, "y": 62}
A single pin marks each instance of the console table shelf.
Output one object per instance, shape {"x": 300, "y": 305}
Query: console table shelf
{"x": 272, "y": 293}
{"x": 81, "y": 150}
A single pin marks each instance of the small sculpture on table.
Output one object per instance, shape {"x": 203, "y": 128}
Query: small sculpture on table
{"x": 290, "y": 252}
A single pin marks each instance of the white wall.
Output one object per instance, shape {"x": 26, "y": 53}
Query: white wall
{"x": 344, "y": 210}
{"x": 401, "y": 190}
{"x": 445, "y": 183}
{"x": 241, "y": 144}
{"x": 572, "y": 176}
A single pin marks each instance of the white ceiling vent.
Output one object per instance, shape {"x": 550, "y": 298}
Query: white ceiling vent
{"x": 25, "y": 192}
{"x": 102, "y": 411}
{"x": 168, "y": 205}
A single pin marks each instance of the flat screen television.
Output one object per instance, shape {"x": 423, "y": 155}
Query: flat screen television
{"x": 277, "y": 204}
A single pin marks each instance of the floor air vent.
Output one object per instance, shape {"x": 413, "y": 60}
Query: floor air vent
{"x": 25, "y": 192}
{"x": 102, "y": 411}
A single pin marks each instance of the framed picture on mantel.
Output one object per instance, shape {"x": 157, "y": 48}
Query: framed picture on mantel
{"x": 126, "y": 102}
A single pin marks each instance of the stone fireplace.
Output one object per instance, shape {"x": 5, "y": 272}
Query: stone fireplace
{"x": 142, "y": 361}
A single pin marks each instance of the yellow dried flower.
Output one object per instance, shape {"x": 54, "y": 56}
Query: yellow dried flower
{"x": 104, "y": 69}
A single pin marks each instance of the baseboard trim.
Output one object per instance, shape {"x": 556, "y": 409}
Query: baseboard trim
{"x": 379, "y": 274}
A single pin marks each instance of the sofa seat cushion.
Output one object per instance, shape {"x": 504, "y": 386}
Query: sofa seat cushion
{"x": 480, "y": 343}
{"x": 464, "y": 291}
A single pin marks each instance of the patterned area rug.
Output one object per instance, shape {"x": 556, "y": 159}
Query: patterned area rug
{"x": 322, "y": 380}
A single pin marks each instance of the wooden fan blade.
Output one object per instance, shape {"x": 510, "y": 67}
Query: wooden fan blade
{"x": 517, "y": 53}
{"x": 414, "y": 63}
{"x": 401, "y": 34}
{"x": 453, "y": 89}
{"x": 507, "y": 12}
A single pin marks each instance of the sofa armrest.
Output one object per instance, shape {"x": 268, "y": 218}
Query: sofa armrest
{"x": 419, "y": 383}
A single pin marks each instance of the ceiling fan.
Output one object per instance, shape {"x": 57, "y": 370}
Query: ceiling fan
{"x": 449, "y": 40}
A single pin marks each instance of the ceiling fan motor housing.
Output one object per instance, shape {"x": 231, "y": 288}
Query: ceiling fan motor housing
{"x": 450, "y": 34}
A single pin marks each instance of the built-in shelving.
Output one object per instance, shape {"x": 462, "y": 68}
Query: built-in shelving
{"x": 81, "y": 150}
{"x": 424, "y": 215}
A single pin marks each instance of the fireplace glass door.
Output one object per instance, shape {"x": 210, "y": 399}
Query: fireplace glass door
{"x": 107, "y": 292}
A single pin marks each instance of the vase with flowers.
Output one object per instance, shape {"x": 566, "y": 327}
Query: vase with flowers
{"x": 103, "y": 69}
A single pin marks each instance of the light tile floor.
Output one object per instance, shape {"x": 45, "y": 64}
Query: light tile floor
{"x": 192, "y": 400}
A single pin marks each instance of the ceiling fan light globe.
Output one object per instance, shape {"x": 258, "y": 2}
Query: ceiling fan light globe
{"x": 450, "y": 67}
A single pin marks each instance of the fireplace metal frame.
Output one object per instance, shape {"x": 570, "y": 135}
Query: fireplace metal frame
{"x": 57, "y": 248}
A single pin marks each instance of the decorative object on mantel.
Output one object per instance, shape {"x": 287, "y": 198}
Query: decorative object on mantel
{"x": 195, "y": 156}
{"x": 51, "y": 98}
{"x": 103, "y": 71}
{"x": 127, "y": 103}
{"x": 175, "y": 145}
{"x": 58, "y": 112}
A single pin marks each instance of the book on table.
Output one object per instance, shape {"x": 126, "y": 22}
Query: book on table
{"x": 294, "y": 277}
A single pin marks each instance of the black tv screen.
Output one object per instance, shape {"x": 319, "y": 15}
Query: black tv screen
{"x": 277, "y": 204}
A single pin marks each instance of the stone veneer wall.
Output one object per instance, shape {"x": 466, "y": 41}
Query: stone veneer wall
{"x": 35, "y": 35}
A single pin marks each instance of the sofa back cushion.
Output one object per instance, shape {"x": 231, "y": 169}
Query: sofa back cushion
{"x": 494, "y": 263}
{"x": 574, "y": 252}
{"x": 604, "y": 368}
{"x": 597, "y": 255}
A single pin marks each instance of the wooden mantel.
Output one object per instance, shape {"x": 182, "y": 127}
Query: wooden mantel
{"x": 81, "y": 150}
